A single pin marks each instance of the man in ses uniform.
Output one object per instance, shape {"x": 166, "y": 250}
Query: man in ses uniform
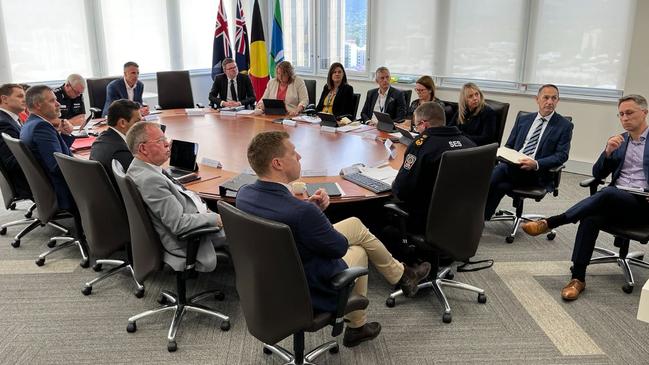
{"x": 416, "y": 178}
{"x": 70, "y": 95}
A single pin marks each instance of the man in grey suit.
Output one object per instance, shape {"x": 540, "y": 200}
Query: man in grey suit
{"x": 173, "y": 209}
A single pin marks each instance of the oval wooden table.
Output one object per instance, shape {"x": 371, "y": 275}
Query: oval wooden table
{"x": 226, "y": 138}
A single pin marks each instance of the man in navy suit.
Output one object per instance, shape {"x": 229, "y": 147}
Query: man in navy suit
{"x": 127, "y": 88}
{"x": 43, "y": 139}
{"x": 626, "y": 156}
{"x": 12, "y": 103}
{"x": 545, "y": 138}
{"x": 384, "y": 99}
{"x": 111, "y": 143}
{"x": 325, "y": 249}
{"x": 232, "y": 89}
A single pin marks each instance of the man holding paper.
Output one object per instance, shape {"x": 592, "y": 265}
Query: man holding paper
{"x": 626, "y": 156}
{"x": 544, "y": 138}
{"x": 416, "y": 178}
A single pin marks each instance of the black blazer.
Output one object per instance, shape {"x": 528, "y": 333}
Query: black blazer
{"x": 18, "y": 180}
{"x": 343, "y": 102}
{"x": 395, "y": 104}
{"x": 245, "y": 93}
{"x": 481, "y": 129}
{"x": 111, "y": 146}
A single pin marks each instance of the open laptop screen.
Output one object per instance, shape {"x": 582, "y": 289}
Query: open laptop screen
{"x": 183, "y": 155}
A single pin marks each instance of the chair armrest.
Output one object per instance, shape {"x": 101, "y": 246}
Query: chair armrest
{"x": 198, "y": 232}
{"x": 343, "y": 281}
{"x": 347, "y": 276}
{"x": 557, "y": 169}
{"x": 591, "y": 183}
{"x": 556, "y": 177}
{"x": 193, "y": 240}
{"x": 392, "y": 207}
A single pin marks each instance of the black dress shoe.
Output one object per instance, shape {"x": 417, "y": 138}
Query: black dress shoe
{"x": 412, "y": 276}
{"x": 354, "y": 336}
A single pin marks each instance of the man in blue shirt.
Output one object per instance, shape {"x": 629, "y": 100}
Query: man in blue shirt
{"x": 626, "y": 156}
{"x": 325, "y": 249}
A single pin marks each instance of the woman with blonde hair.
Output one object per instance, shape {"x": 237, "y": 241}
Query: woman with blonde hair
{"x": 474, "y": 117}
{"x": 286, "y": 86}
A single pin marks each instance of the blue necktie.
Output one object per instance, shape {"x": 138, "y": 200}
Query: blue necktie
{"x": 534, "y": 140}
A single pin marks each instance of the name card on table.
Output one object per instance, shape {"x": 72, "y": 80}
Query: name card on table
{"x": 211, "y": 162}
{"x": 289, "y": 122}
{"x": 326, "y": 129}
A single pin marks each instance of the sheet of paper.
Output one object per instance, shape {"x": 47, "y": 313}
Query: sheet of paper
{"x": 386, "y": 174}
{"x": 510, "y": 155}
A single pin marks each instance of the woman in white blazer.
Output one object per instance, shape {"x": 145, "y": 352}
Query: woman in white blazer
{"x": 288, "y": 87}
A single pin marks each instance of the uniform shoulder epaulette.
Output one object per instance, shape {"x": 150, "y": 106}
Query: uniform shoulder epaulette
{"x": 419, "y": 141}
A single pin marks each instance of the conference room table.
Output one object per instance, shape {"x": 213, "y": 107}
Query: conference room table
{"x": 225, "y": 139}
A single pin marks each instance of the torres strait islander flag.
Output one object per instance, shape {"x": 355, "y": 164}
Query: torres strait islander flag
{"x": 258, "y": 54}
{"x": 221, "y": 46}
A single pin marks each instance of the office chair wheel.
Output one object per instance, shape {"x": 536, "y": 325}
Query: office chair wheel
{"x": 172, "y": 346}
{"x": 3, "y": 231}
{"x": 131, "y": 327}
{"x": 86, "y": 290}
{"x": 447, "y": 318}
{"x": 509, "y": 239}
{"x": 219, "y": 296}
{"x": 449, "y": 275}
{"x": 225, "y": 326}
{"x": 334, "y": 350}
{"x": 51, "y": 244}
{"x": 139, "y": 293}
{"x": 85, "y": 263}
{"x": 12, "y": 206}
{"x": 97, "y": 267}
{"x": 40, "y": 262}
{"x": 390, "y": 303}
{"x": 15, "y": 243}
{"x": 551, "y": 236}
{"x": 482, "y": 298}
{"x": 627, "y": 288}
{"x": 162, "y": 300}
{"x": 267, "y": 351}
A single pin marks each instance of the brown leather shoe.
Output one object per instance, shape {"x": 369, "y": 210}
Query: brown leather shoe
{"x": 535, "y": 228}
{"x": 412, "y": 276}
{"x": 354, "y": 336}
{"x": 572, "y": 290}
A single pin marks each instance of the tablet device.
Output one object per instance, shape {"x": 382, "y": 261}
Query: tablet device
{"x": 328, "y": 120}
{"x": 183, "y": 158}
{"x": 385, "y": 122}
{"x": 274, "y": 107}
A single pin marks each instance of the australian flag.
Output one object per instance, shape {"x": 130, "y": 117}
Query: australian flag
{"x": 221, "y": 47}
{"x": 242, "y": 47}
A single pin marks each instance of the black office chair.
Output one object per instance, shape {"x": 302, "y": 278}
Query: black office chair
{"x": 97, "y": 92}
{"x": 501, "y": 110}
{"x": 537, "y": 193}
{"x": 455, "y": 219}
{"x": 147, "y": 259}
{"x": 45, "y": 199}
{"x": 273, "y": 289}
{"x": 174, "y": 90}
{"x": 623, "y": 235}
{"x": 310, "y": 89}
{"x": 357, "y": 101}
{"x": 450, "y": 109}
{"x": 102, "y": 216}
{"x": 407, "y": 95}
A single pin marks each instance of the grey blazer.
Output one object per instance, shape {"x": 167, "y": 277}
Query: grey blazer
{"x": 173, "y": 213}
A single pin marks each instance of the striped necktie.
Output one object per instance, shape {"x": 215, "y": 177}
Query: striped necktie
{"x": 530, "y": 148}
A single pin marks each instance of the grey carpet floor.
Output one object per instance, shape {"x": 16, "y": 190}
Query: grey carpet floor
{"x": 46, "y": 319}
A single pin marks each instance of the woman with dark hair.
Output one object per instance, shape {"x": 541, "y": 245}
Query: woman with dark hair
{"x": 474, "y": 117}
{"x": 337, "y": 96}
{"x": 286, "y": 86}
{"x": 425, "y": 89}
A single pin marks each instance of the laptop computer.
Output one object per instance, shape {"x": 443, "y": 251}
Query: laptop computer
{"x": 183, "y": 159}
{"x": 328, "y": 120}
{"x": 82, "y": 130}
{"x": 274, "y": 107}
{"x": 385, "y": 122}
{"x": 406, "y": 136}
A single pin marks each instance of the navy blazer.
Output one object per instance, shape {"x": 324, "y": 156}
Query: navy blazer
{"x": 111, "y": 146}
{"x": 395, "y": 104}
{"x": 553, "y": 148}
{"x": 43, "y": 140}
{"x": 245, "y": 92}
{"x": 320, "y": 246}
{"x": 9, "y": 126}
{"x": 613, "y": 164}
{"x": 116, "y": 90}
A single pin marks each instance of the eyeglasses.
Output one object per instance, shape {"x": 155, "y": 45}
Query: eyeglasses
{"x": 162, "y": 139}
{"x": 231, "y": 68}
{"x": 628, "y": 113}
{"x": 418, "y": 90}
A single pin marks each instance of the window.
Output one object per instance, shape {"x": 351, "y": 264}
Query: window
{"x": 297, "y": 23}
{"x": 47, "y": 42}
{"x": 485, "y": 42}
{"x": 581, "y": 45}
{"x": 197, "y": 19}
{"x": 136, "y": 31}
{"x": 343, "y": 34}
